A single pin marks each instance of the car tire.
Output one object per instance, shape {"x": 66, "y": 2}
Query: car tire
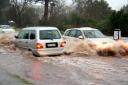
{"x": 35, "y": 55}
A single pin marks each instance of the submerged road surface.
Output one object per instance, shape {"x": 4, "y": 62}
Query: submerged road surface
{"x": 21, "y": 68}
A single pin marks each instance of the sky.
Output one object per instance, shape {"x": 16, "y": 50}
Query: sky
{"x": 115, "y": 4}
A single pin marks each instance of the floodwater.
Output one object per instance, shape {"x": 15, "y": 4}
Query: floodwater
{"x": 80, "y": 68}
{"x": 117, "y": 48}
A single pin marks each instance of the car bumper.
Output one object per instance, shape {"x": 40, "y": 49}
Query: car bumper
{"x": 52, "y": 51}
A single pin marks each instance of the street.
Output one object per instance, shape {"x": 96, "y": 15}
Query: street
{"x": 63, "y": 42}
{"x": 20, "y": 67}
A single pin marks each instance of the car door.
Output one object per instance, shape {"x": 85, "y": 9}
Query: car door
{"x": 25, "y": 40}
{"x": 70, "y": 39}
{"x": 79, "y": 36}
{"x": 32, "y": 40}
{"x": 71, "y": 36}
{"x": 19, "y": 39}
{"x": 22, "y": 39}
{"x": 66, "y": 34}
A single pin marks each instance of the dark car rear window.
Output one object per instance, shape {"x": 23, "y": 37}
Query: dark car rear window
{"x": 49, "y": 34}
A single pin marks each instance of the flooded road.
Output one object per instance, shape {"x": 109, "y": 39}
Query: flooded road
{"x": 20, "y": 67}
{"x": 24, "y": 69}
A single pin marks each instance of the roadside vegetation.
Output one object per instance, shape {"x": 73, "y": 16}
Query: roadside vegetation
{"x": 93, "y": 13}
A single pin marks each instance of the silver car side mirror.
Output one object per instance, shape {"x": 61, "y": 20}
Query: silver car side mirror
{"x": 16, "y": 36}
{"x": 81, "y": 37}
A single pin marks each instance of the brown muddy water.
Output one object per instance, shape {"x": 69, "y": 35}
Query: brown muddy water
{"x": 86, "y": 68}
{"x": 119, "y": 48}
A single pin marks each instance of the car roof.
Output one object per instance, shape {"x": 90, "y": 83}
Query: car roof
{"x": 87, "y": 28}
{"x": 83, "y": 28}
{"x": 40, "y": 28}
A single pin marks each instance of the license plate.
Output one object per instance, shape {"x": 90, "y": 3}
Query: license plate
{"x": 51, "y": 45}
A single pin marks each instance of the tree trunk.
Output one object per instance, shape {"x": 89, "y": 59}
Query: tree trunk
{"x": 46, "y": 11}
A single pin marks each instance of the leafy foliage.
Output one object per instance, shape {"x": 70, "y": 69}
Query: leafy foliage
{"x": 93, "y": 13}
{"x": 3, "y": 8}
{"x": 3, "y": 3}
{"x": 119, "y": 20}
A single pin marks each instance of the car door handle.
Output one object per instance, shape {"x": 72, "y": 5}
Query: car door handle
{"x": 26, "y": 42}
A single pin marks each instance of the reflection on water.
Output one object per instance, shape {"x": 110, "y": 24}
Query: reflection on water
{"x": 36, "y": 70}
{"x": 33, "y": 71}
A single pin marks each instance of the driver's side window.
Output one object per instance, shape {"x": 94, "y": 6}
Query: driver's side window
{"x": 72, "y": 33}
{"x": 78, "y": 34}
{"x": 21, "y": 35}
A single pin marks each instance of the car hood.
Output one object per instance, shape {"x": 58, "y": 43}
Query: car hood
{"x": 101, "y": 40}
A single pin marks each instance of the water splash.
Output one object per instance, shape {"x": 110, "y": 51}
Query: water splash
{"x": 80, "y": 47}
{"x": 7, "y": 39}
{"x": 119, "y": 48}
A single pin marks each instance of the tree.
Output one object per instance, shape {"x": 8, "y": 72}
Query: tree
{"x": 23, "y": 13}
{"x": 46, "y": 9}
{"x": 93, "y": 13}
{"x": 57, "y": 11}
{"x": 17, "y": 8}
{"x": 125, "y": 9}
{"x": 92, "y": 9}
{"x": 4, "y": 4}
{"x": 119, "y": 20}
{"x": 30, "y": 17}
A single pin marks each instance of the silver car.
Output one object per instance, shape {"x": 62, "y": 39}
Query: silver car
{"x": 41, "y": 40}
{"x": 6, "y": 29}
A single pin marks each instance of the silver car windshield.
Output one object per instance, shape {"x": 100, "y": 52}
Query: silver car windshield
{"x": 93, "y": 34}
{"x": 49, "y": 34}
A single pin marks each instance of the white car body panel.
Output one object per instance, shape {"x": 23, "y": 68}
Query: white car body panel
{"x": 103, "y": 40}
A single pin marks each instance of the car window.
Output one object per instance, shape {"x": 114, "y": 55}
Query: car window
{"x": 78, "y": 33}
{"x": 26, "y": 35}
{"x": 20, "y": 35}
{"x": 67, "y": 32}
{"x": 72, "y": 33}
{"x": 32, "y": 35}
{"x": 93, "y": 34}
{"x": 49, "y": 34}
